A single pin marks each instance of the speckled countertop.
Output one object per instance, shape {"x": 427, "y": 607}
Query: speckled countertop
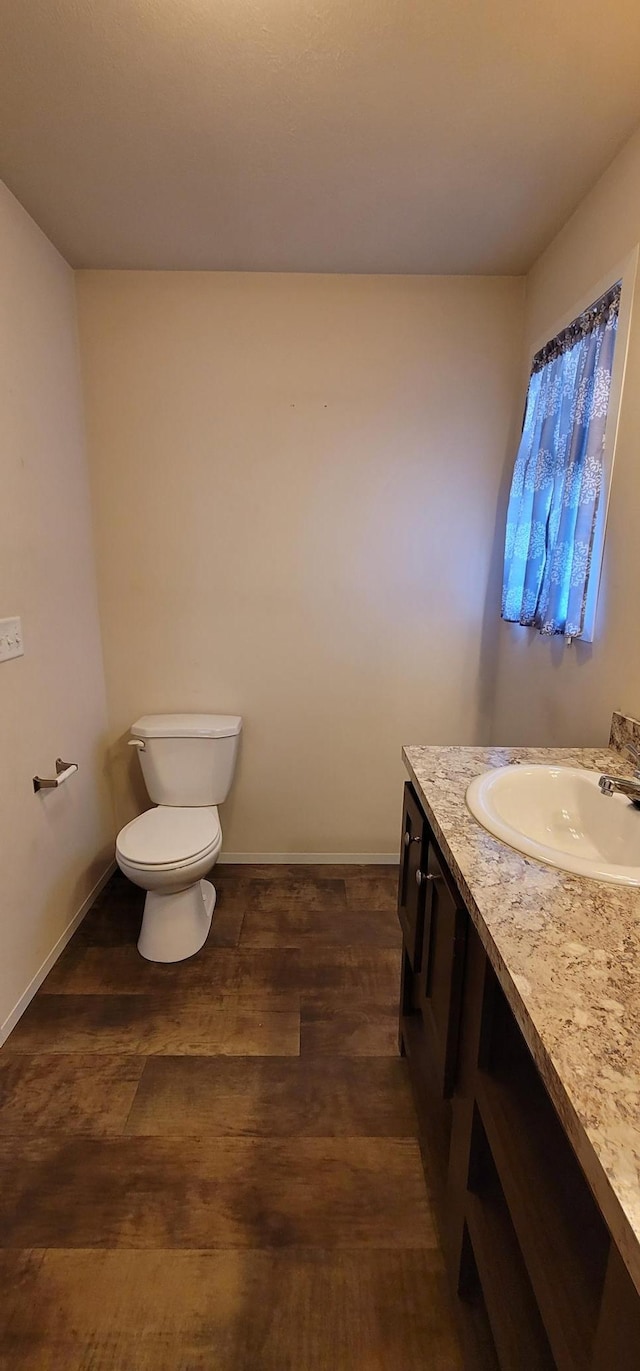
{"x": 566, "y": 950}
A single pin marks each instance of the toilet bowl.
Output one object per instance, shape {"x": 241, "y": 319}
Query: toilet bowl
{"x": 166, "y": 852}
{"x": 188, "y": 763}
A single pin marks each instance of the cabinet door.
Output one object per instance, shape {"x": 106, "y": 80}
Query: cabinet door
{"x": 411, "y": 891}
{"x": 440, "y": 981}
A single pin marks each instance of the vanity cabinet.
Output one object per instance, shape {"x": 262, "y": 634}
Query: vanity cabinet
{"x": 439, "y": 982}
{"x": 538, "y": 1280}
{"x": 412, "y": 889}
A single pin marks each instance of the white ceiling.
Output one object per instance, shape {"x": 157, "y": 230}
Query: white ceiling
{"x": 297, "y": 135}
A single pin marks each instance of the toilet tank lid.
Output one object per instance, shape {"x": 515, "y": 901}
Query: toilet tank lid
{"x": 187, "y": 726}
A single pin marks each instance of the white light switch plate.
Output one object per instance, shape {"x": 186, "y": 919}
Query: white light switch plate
{"x": 11, "y": 644}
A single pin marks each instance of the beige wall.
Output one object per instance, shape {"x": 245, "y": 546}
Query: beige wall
{"x": 53, "y": 848}
{"x": 548, "y": 693}
{"x": 294, "y": 483}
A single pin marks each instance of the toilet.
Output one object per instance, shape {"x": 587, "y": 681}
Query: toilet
{"x": 188, "y": 762}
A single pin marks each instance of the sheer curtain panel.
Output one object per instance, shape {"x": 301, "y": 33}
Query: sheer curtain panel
{"x": 558, "y": 473}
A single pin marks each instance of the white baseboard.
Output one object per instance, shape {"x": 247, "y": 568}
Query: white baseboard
{"x": 309, "y": 858}
{"x": 36, "y": 981}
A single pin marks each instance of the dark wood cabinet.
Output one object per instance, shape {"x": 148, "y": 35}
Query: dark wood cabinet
{"x": 439, "y": 987}
{"x": 538, "y": 1280}
{"x": 433, "y": 924}
{"x": 411, "y": 894}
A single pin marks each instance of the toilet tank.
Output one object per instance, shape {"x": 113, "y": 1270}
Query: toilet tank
{"x": 188, "y": 759}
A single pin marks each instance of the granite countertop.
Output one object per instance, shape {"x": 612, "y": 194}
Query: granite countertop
{"x": 566, "y": 950}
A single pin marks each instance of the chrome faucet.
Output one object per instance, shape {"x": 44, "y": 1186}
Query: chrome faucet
{"x": 624, "y": 785}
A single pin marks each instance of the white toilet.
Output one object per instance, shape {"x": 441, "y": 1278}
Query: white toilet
{"x": 187, "y": 761}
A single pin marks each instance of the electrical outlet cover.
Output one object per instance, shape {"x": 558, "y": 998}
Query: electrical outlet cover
{"x": 11, "y": 644}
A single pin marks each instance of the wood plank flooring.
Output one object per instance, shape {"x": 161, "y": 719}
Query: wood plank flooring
{"x": 213, "y": 1166}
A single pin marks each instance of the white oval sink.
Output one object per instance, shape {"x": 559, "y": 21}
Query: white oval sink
{"x": 557, "y": 814}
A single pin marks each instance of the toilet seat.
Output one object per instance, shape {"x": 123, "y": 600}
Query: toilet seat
{"x": 169, "y": 837}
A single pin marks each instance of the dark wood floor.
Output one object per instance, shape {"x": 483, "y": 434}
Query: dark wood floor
{"x": 213, "y": 1165}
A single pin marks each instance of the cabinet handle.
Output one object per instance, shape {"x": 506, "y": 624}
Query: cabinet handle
{"x": 408, "y": 839}
{"x": 426, "y": 876}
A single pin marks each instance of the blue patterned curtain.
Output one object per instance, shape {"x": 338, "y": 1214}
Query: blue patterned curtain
{"x": 557, "y": 476}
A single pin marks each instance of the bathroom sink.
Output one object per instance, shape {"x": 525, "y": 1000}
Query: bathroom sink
{"x": 558, "y": 815}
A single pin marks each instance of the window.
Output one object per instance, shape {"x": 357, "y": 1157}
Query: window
{"x": 559, "y": 491}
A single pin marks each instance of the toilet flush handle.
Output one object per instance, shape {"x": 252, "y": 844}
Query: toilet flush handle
{"x": 136, "y": 742}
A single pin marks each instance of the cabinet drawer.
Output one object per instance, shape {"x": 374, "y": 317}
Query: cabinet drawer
{"x": 439, "y": 990}
{"x": 411, "y": 891}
